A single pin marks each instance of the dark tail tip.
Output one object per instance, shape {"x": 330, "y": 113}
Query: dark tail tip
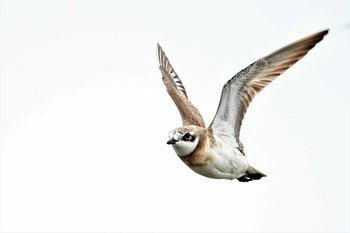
{"x": 251, "y": 174}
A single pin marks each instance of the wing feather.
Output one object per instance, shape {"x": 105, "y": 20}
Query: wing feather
{"x": 165, "y": 63}
{"x": 239, "y": 91}
{"x": 175, "y": 88}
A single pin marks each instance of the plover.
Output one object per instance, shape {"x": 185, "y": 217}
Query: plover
{"x": 216, "y": 151}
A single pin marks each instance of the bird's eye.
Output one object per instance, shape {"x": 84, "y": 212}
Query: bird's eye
{"x": 188, "y": 137}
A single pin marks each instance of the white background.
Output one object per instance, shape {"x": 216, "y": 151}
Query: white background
{"x": 85, "y": 116}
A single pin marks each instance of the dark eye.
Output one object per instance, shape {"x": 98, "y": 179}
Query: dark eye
{"x": 188, "y": 137}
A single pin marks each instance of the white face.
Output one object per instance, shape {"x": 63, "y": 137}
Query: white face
{"x": 184, "y": 143}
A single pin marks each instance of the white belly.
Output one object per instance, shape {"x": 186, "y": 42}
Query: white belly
{"x": 227, "y": 163}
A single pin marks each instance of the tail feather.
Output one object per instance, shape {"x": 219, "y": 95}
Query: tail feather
{"x": 251, "y": 174}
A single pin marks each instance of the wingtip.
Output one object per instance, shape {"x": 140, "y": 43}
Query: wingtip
{"x": 159, "y": 51}
{"x": 317, "y": 37}
{"x": 159, "y": 48}
{"x": 322, "y": 33}
{"x": 325, "y": 31}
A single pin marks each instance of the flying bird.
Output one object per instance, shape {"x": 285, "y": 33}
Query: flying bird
{"x": 216, "y": 151}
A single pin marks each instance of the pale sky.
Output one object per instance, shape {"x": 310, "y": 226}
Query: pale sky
{"x": 85, "y": 116}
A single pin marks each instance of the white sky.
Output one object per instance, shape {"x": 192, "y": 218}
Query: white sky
{"x": 85, "y": 116}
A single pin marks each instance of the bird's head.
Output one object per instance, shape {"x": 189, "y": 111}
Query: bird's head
{"x": 184, "y": 140}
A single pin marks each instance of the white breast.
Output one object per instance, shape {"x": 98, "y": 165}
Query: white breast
{"x": 183, "y": 148}
{"x": 228, "y": 162}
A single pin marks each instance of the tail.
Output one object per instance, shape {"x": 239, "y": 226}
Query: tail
{"x": 251, "y": 174}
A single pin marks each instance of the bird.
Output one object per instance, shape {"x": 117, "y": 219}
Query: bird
{"x": 216, "y": 151}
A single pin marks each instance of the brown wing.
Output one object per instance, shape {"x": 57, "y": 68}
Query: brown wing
{"x": 240, "y": 90}
{"x": 189, "y": 113}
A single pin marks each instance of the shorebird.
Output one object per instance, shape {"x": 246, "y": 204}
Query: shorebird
{"x": 216, "y": 151}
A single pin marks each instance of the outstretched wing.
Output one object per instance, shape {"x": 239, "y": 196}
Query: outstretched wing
{"x": 177, "y": 91}
{"x": 240, "y": 90}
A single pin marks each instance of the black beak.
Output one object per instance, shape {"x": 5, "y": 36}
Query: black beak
{"x": 171, "y": 141}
